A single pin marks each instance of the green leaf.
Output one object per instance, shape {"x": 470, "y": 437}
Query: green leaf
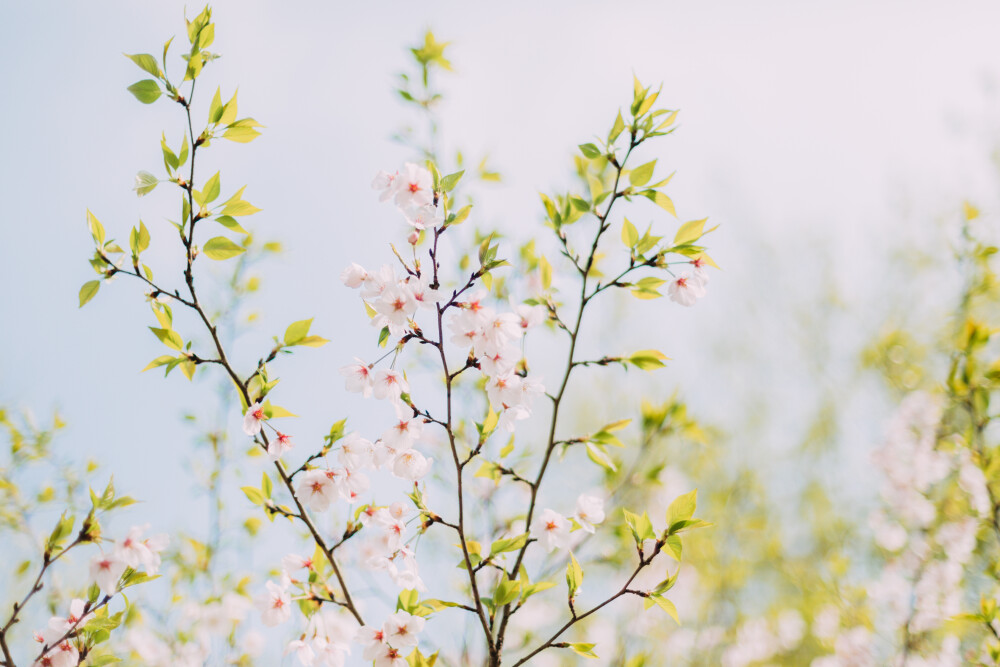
{"x": 239, "y": 134}
{"x": 616, "y": 129}
{"x": 89, "y": 291}
{"x": 648, "y": 360}
{"x": 276, "y": 411}
{"x": 313, "y": 341}
{"x": 236, "y": 206}
{"x": 597, "y": 454}
{"x": 508, "y": 544}
{"x": 586, "y": 650}
{"x": 690, "y": 232}
{"x": 507, "y": 591}
{"x": 666, "y": 605}
{"x": 574, "y": 575}
{"x": 161, "y": 360}
{"x": 673, "y": 546}
{"x": 99, "y": 660}
{"x": 641, "y": 175}
{"x": 169, "y": 337}
{"x": 460, "y": 217}
{"x": 138, "y": 239}
{"x": 630, "y": 235}
{"x": 230, "y": 223}
{"x": 254, "y": 494}
{"x": 146, "y": 91}
{"x": 449, "y": 182}
{"x": 215, "y": 108}
{"x": 546, "y": 271}
{"x": 146, "y": 62}
{"x": 222, "y": 248}
{"x": 212, "y": 188}
{"x": 296, "y": 331}
{"x": 265, "y": 485}
{"x": 590, "y": 151}
{"x": 145, "y": 183}
{"x": 641, "y": 527}
{"x": 682, "y": 508}
{"x": 96, "y": 228}
{"x": 491, "y": 421}
{"x": 661, "y": 200}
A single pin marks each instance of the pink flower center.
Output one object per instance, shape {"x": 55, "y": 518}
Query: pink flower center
{"x": 551, "y": 525}
{"x": 105, "y": 564}
{"x": 414, "y": 187}
{"x": 682, "y": 282}
{"x": 278, "y": 603}
{"x": 258, "y": 414}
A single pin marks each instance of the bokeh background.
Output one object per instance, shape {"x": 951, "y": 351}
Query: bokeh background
{"x": 827, "y": 140}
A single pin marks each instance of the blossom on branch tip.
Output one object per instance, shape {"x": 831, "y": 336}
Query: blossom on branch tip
{"x": 389, "y": 384}
{"x": 359, "y": 378}
{"x": 553, "y": 529}
{"x": 411, "y": 465}
{"x": 356, "y": 452}
{"x": 276, "y": 604}
{"x": 136, "y": 552}
{"x": 685, "y": 289}
{"x": 402, "y": 628}
{"x": 424, "y": 216}
{"x": 387, "y": 656}
{"x": 316, "y": 489}
{"x": 386, "y": 184}
{"x": 414, "y": 187}
{"x": 253, "y": 418}
{"x": 354, "y": 276}
{"x": 372, "y": 641}
{"x": 281, "y": 444}
{"x": 589, "y": 512}
{"x": 106, "y": 570}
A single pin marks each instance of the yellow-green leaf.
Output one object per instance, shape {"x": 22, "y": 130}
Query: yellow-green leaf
{"x": 222, "y": 248}
{"x": 88, "y": 291}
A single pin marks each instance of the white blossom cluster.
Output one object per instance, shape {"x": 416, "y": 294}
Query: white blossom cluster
{"x": 106, "y": 570}
{"x": 201, "y": 625}
{"x": 920, "y": 587}
{"x": 689, "y": 286}
{"x": 554, "y": 529}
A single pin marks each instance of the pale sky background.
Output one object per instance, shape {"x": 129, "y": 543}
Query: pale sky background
{"x": 819, "y": 135}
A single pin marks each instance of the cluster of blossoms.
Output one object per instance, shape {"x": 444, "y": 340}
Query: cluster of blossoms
{"x": 689, "y": 286}
{"x": 63, "y": 652}
{"x": 388, "y": 551}
{"x": 201, "y": 625}
{"x": 490, "y": 338}
{"x": 326, "y": 641}
{"x": 134, "y": 552}
{"x": 387, "y": 645}
{"x": 554, "y": 529}
{"x": 328, "y": 636}
{"x": 106, "y": 570}
{"x": 920, "y": 587}
{"x": 412, "y": 190}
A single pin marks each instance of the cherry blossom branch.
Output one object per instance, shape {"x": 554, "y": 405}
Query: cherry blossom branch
{"x": 459, "y": 466}
{"x": 242, "y": 385}
{"x": 71, "y": 631}
{"x": 576, "y": 618}
{"x": 36, "y": 587}
{"x": 585, "y": 298}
